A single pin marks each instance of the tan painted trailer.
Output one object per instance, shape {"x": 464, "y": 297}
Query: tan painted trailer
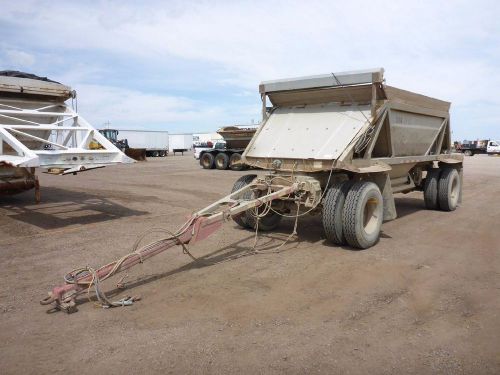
{"x": 357, "y": 141}
{"x": 340, "y": 145}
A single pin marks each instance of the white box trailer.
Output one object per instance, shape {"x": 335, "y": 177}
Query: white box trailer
{"x": 180, "y": 142}
{"x": 154, "y": 141}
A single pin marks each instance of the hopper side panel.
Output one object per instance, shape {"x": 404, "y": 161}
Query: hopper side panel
{"x": 412, "y": 133}
{"x": 309, "y": 132}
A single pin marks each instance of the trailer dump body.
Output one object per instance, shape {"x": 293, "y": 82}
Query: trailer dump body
{"x": 236, "y": 139}
{"x": 39, "y": 130}
{"x": 237, "y": 136}
{"x": 340, "y": 145}
{"x": 349, "y": 118}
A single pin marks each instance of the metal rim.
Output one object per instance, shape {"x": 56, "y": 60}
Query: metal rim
{"x": 371, "y": 215}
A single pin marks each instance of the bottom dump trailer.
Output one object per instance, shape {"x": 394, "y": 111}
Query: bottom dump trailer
{"x": 340, "y": 145}
{"x": 236, "y": 139}
{"x": 39, "y": 130}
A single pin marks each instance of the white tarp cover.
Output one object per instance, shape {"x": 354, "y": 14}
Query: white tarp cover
{"x": 320, "y": 131}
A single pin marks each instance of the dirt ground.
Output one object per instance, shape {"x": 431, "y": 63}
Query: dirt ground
{"x": 425, "y": 299}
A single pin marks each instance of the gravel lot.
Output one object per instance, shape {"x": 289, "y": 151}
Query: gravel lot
{"x": 425, "y": 299}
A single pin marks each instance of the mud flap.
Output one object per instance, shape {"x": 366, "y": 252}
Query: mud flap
{"x": 383, "y": 181}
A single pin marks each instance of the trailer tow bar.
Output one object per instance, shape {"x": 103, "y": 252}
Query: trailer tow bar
{"x": 200, "y": 226}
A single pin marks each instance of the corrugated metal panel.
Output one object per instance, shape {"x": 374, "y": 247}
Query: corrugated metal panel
{"x": 320, "y": 131}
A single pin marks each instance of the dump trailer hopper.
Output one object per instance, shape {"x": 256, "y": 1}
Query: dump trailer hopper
{"x": 339, "y": 145}
{"x": 39, "y": 130}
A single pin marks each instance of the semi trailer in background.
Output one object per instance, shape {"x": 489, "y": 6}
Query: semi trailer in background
{"x": 180, "y": 142}
{"x": 155, "y": 142}
{"x": 227, "y": 153}
{"x": 38, "y": 129}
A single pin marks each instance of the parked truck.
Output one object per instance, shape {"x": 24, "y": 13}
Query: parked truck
{"x": 339, "y": 145}
{"x": 181, "y": 142}
{"x": 487, "y": 146}
{"x": 155, "y": 142}
{"x": 227, "y": 154}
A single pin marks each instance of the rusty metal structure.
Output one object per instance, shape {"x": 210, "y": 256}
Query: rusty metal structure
{"x": 339, "y": 145}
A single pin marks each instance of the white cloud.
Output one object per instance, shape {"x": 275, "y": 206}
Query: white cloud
{"x": 130, "y": 108}
{"x": 449, "y": 50}
{"x": 16, "y": 58}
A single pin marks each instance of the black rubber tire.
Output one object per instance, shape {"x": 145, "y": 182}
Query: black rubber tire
{"x": 163, "y": 154}
{"x": 222, "y": 161}
{"x": 468, "y": 153}
{"x": 207, "y": 161}
{"x": 449, "y": 189}
{"x": 266, "y": 223}
{"x": 333, "y": 206}
{"x": 362, "y": 215}
{"x": 240, "y": 183}
{"x": 431, "y": 189}
{"x": 155, "y": 154}
{"x": 235, "y": 157}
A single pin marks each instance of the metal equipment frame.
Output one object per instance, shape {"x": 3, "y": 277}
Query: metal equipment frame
{"x": 65, "y": 140}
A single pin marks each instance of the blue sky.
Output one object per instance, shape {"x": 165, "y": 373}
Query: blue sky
{"x": 195, "y": 66}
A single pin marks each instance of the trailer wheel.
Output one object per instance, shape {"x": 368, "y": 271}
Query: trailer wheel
{"x": 333, "y": 205}
{"x": 240, "y": 183}
{"x": 266, "y": 223}
{"x": 163, "y": 154}
{"x": 222, "y": 161}
{"x": 362, "y": 215}
{"x": 156, "y": 154}
{"x": 431, "y": 189}
{"x": 449, "y": 189}
{"x": 235, "y": 162}
{"x": 207, "y": 161}
{"x": 468, "y": 153}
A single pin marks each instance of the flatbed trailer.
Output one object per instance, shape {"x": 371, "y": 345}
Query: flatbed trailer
{"x": 487, "y": 146}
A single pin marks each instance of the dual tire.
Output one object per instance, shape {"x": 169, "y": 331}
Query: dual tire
{"x": 207, "y": 161}
{"x": 353, "y": 214}
{"x": 442, "y": 189}
{"x": 248, "y": 219}
{"x": 221, "y": 161}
